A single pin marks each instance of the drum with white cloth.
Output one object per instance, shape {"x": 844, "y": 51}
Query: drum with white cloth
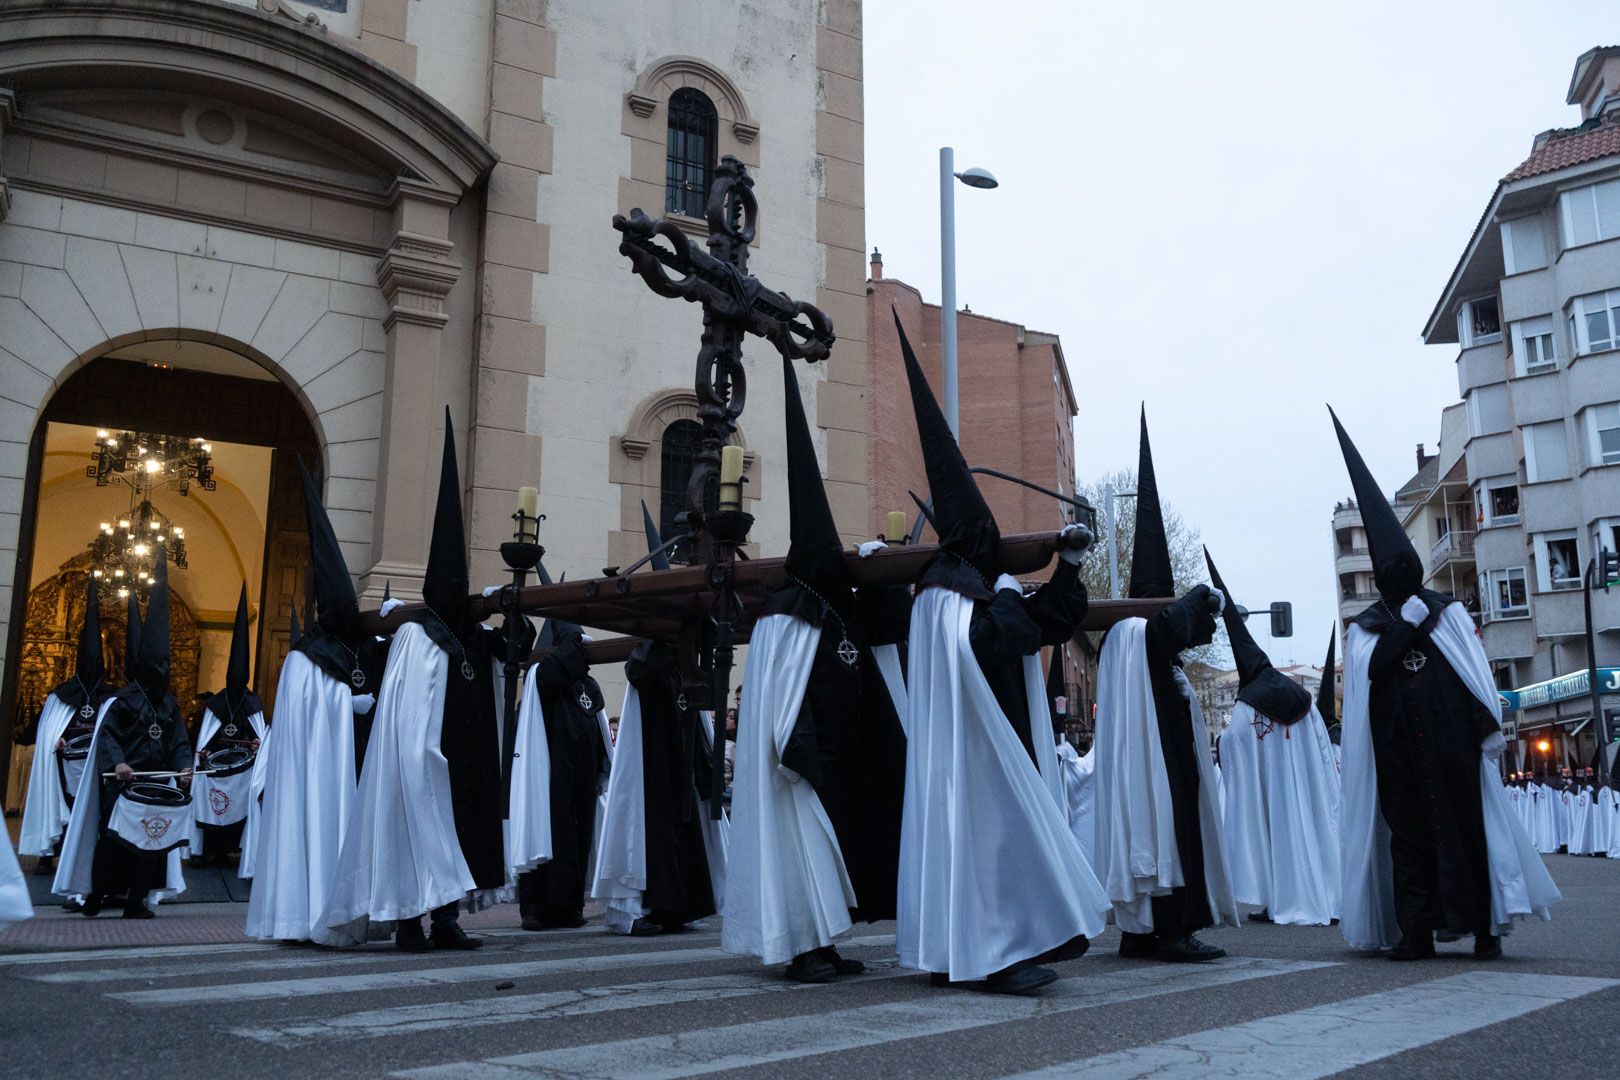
{"x": 70, "y": 762}
{"x": 151, "y": 819}
{"x": 220, "y": 796}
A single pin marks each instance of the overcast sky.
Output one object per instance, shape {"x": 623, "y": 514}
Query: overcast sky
{"x": 1234, "y": 212}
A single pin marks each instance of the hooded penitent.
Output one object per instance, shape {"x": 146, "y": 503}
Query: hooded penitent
{"x": 968, "y": 536}
{"x": 88, "y": 667}
{"x": 1260, "y": 686}
{"x": 234, "y": 718}
{"x": 1429, "y": 840}
{"x": 236, "y": 700}
{"x": 1151, "y": 572}
{"x": 334, "y": 642}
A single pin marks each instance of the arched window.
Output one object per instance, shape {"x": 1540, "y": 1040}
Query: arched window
{"x": 682, "y": 441}
{"x": 689, "y": 152}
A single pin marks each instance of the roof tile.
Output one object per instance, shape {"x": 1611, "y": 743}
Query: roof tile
{"x": 1574, "y": 146}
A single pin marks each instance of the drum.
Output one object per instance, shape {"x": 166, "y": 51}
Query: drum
{"x": 151, "y": 818}
{"x": 70, "y": 762}
{"x": 222, "y": 798}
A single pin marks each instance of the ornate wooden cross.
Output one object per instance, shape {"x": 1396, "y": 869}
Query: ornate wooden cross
{"x": 735, "y": 304}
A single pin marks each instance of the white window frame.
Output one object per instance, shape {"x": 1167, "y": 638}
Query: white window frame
{"x": 1592, "y": 432}
{"x": 1588, "y": 195}
{"x": 1605, "y": 534}
{"x": 1482, "y": 507}
{"x": 1545, "y": 582}
{"x": 1465, "y": 323}
{"x": 1532, "y": 471}
{"x": 1476, "y": 420}
{"x": 1579, "y": 339}
{"x": 1538, "y": 334}
{"x": 1489, "y": 612}
{"x": 1516, "y": 261}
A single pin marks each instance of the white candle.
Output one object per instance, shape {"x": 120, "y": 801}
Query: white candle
{"x": 528, "y": 504}
{"x": 731, "y": 468}
{"x": 895, "y": 531}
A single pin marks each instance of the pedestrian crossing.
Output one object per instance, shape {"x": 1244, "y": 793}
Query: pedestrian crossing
{"x": 584, "y": 1004}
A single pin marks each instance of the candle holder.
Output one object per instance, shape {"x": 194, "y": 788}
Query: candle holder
{"x": 521, "y": 554}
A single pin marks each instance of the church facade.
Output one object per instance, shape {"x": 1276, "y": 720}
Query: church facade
{"x": 301, "y": 230}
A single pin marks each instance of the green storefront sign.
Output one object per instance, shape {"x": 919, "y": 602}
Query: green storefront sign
{"x": 1563, "y": 688}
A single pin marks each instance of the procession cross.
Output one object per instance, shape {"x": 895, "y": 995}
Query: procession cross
{"x": 735, "y": 304}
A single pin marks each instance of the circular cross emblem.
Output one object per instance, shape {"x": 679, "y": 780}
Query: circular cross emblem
{"x": 467, "y": 670}
{"x": 86, "y": 710}
{"x": 1414, "y": 661}
{"x": 585, "y": 701}
{"x": 230, "y": 731}
{"x": 155, "y": 731}
{"x": 219, "y": 801}
{"x": 847, "y": 652}
{"x": 680, "y": 701}
{"x": 358, "y": 678}
{"x": 156, "y": 827}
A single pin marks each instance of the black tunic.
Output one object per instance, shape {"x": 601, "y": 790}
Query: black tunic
{"x": 678, "y": 889}
{"x": 1426, "y": 730}
{"x": 126, "y": 738}
{"x": 1009, "y": 627}
{"x": 579, "y": 764}
{"x": 848, "y": 742}
{"x": 470, "y": 740}
{"x": 1184, "y": 624}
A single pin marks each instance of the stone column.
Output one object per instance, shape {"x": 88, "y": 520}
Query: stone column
{"x": 415, "y": 276}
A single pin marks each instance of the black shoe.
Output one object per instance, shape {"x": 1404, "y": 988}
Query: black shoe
{"x": 645, "y": 927}
{"x": 1261, "y": 916}
{"x": 811, "y": 967}
{"x": 1073, "y": 949}
{"x": 1187, "y": 950}
{"x": 561, "y": 919}
{"x": 92, "y": 905}
{"x": 839, "y": 963}
{"x": 450, "y": 935}
{"x": 534, "y": 922}
{"x": 46, "y": 866}
{"x": 1138, "y": 946}
{"x": 1487, "y": 947}
{"x": 1024, "y": 978}
{"x": 1413, "y": 947}
{"x": 1446, "y": 937}
{"x": 408, "y": 937}
{"x": 72, "y": 906}
{"x": 139, "y": 911}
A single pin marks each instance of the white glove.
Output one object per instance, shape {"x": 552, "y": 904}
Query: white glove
{"x": 363, "y": 703}
{"x": 1220, "y": 600}
{"x": 389, "y": 605}
{"x": 1493, "y": 745}
{"x": 1007, "y": 581}
{"x": 1414, "y": 610}
{"x": 870, "y": 548}
{"x": 1067, "y": 555}
{"x": 586, "y": 639}
{"x": 491, "y": 590}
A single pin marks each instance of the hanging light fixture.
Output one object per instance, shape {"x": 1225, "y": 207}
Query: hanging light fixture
{"x": 146, "y": 462}
{"x": 124, "y": 553}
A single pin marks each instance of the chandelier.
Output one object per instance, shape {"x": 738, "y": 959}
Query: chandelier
{"x": 124, "y": 553}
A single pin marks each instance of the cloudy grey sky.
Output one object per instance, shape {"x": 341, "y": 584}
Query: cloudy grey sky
{"x": 1235, "y": 212}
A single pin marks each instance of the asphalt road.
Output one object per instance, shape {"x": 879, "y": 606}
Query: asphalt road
{"x": 1290, "y": 1002}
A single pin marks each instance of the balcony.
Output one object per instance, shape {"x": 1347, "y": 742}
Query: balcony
{"x": 1348, "y": 560}
{"x": 1456, "y": 544}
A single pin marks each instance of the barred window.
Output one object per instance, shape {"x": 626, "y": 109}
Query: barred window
{"x": 689, "y": 156}
{"x": 682, "y": 441}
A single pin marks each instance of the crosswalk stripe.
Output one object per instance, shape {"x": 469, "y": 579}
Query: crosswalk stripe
{"x": 393, "y": 980}
{"x": 76, "y": 956}
{"x": 552, "y": 1005}
{"x": 1327, "y": 1039}
{"x": 764, "y": 1042}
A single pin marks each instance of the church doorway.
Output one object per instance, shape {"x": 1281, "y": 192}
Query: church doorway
{"x": 92, "y": 494}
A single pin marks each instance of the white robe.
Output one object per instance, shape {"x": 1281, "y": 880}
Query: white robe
{"x": 1580, "y": 822}
{"x": 210, "y": 728}
{"x": 1281, "y": 818}
{"x": 246, "y": 861}
{"x": 1614, "y": 821}
{"x": 400, "y": 856}
{"x": 45, "y": 813}
{"x": 716, "y": 832}
{"x": 527, "y": 828}
{"x": 14, "y": 903}
{"x": 620, "y": 873}
{"x": 990, "y": 873}
{"x": 787, "y": 889}
{"x": 79, "y": 846}
{"x": 1080, "y": 795}
{"x": 1519, "y": 882}
{"x": 1136, "y": 855}
{"x": 1543, "y": 813}
{"x": 309, "y": 793}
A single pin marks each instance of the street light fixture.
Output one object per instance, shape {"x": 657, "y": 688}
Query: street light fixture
{"x": 974, "y": 178}
{"x": 1109, "y": 495}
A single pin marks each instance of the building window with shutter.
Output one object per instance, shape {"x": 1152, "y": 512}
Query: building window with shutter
{"x": 689, "y": 152}
{"x": 681, "y": 443}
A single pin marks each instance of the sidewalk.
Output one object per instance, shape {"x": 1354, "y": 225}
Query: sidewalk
{"x": 178, "y": 924}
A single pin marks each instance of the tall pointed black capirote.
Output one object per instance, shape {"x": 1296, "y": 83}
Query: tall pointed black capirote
{"x": 152, "y": 665}
{"x": 1327, "y": 696}
{"x": 132, "y": 637}
{"x": 1397, "y": 570}
{"x": 1260, "y": 686}
{"x": 1151, "y": 572}
{"x": 815, "y": 553}
{"x": 336, "y": 606}
{"x": 966, "y": 527}
{"x": 88, "y": 664}
{"x": 659, "y": 561}
{"x": 239, "y": 669}
{"x": 446, "y": 582}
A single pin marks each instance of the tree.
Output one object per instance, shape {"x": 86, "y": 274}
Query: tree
{"x": 1186, "y": 553}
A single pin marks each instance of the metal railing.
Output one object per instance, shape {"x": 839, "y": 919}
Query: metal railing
{"x": 1456, "y": 544}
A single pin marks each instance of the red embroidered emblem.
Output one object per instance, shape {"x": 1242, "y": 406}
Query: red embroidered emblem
{"x": 219, "y": 801}
{"x": 156, "y": 827}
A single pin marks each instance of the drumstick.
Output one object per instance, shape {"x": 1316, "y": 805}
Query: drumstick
{"x": 194, "y": 772}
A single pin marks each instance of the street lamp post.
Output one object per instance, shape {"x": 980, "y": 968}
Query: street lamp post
{"x": 1600, "y": 573}
{"x": 1109, "y": 495}
{"x": 978, "y": 178}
